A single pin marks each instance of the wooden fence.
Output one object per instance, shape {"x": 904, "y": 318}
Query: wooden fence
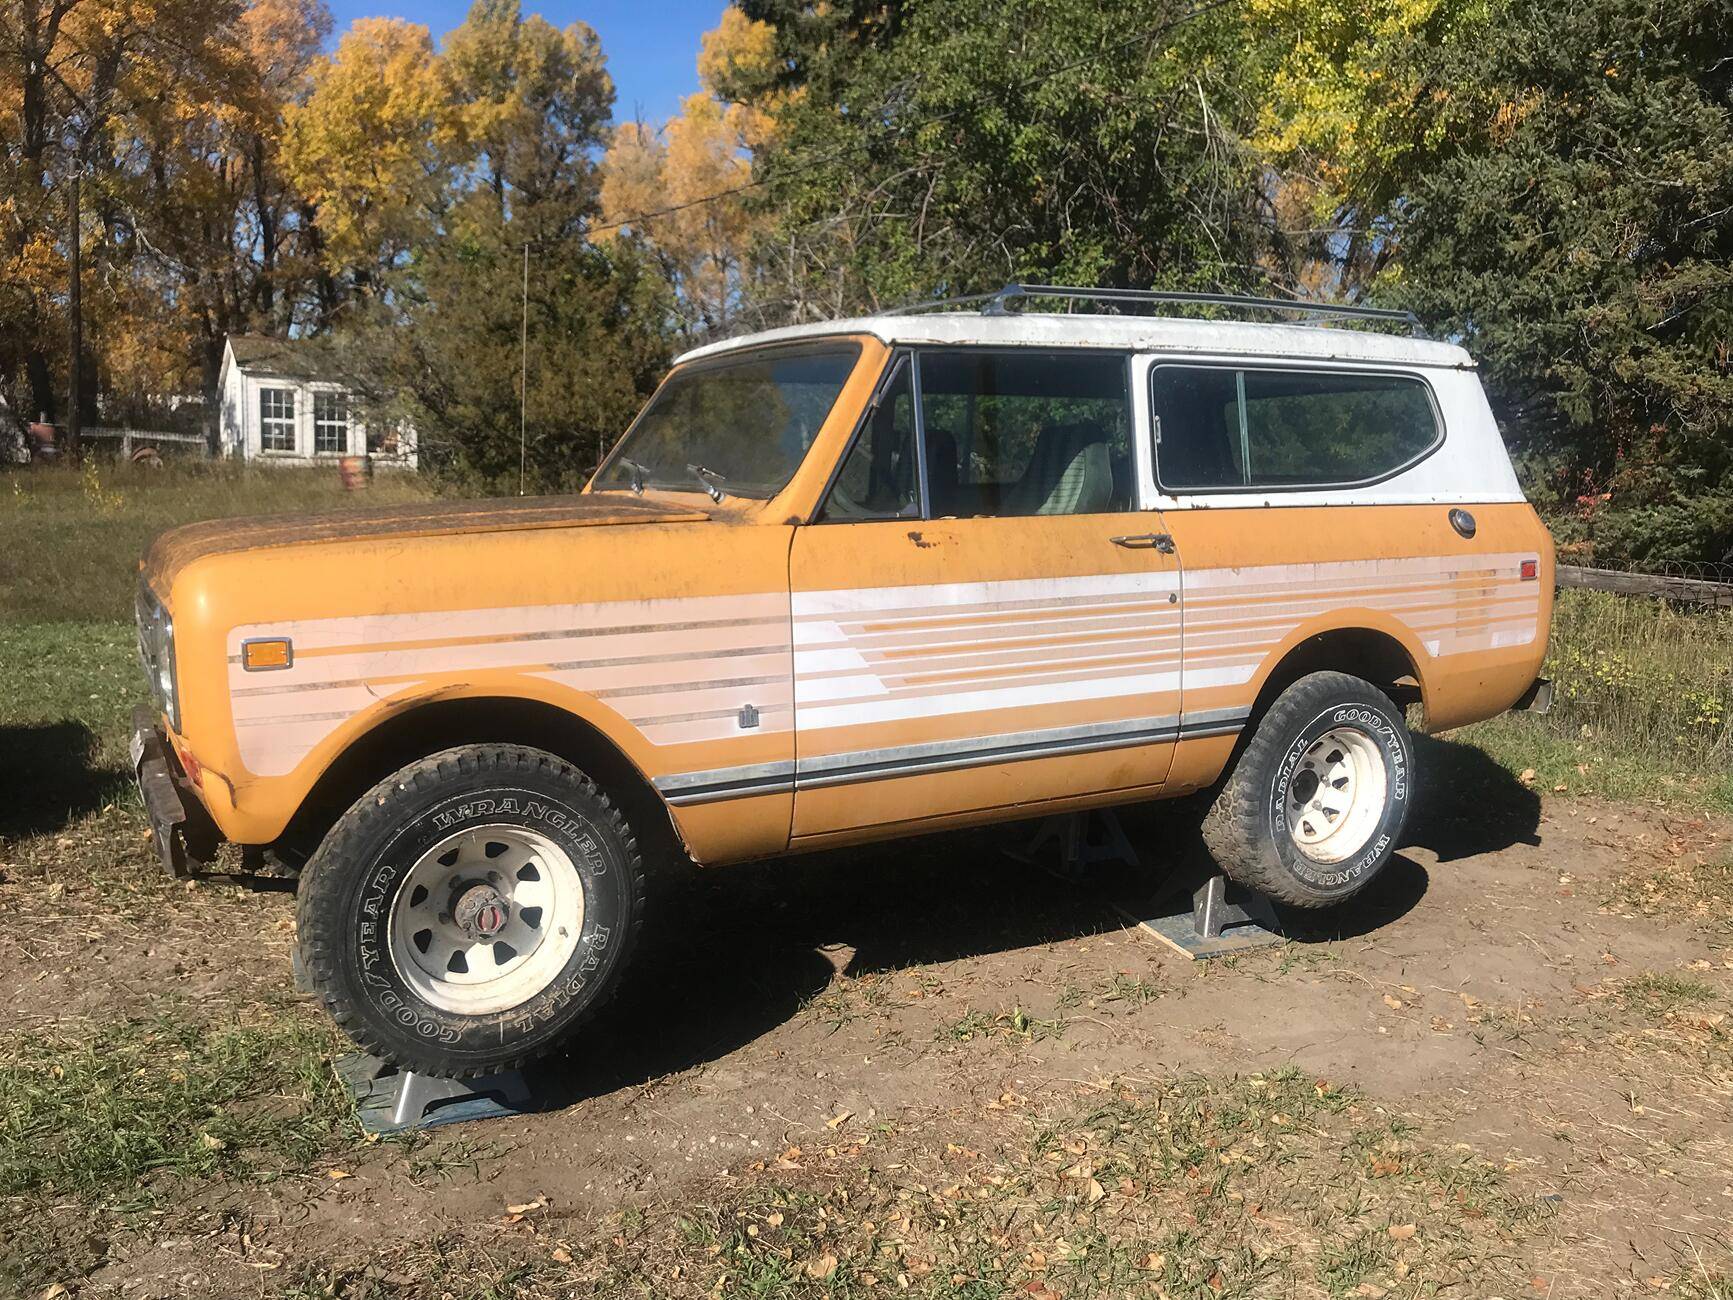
{"x": 1698, "y": 585}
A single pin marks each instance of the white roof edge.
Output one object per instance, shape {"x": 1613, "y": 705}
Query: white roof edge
{"x": 1128, "y": 333}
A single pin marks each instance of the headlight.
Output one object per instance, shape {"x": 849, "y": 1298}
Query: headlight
{"x": 156, "y": 652}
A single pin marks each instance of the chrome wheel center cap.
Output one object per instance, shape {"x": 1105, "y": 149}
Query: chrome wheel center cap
{"x": 480, "y": 912}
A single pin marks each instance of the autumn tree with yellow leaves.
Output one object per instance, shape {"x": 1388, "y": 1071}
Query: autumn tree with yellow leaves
{"x": 682, "y": 191}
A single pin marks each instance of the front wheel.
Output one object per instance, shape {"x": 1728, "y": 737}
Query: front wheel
{"x": 471, "y": 910}
{"x": 1315, "y": 803}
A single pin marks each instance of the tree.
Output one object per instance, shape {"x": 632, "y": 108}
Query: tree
{"x": 205, "y": 218}
{"x": 1578, "y": 238}
{"x": 369, "y": 148}
{"x": 953, "y": 146}
{"x": 444, "y": 346}
{"x": 703, "y": 244}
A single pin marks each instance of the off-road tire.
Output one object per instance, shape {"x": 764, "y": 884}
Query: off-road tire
{"x": 347, "y": 890}
{"x": 1246, "y": 828}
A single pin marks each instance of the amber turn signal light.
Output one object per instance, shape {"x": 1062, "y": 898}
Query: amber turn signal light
{"x": 265, "y": 653}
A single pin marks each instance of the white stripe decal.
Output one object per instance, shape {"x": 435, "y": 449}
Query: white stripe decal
{"x": 682, "y": 669}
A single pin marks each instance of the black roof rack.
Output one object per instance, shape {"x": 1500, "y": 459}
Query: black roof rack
{"x": 999, "y": 303}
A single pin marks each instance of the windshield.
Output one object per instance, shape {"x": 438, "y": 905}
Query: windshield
{"x": 740, "y": 427}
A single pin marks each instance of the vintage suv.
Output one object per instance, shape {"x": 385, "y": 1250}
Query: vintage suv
{"x": 837, "y": 583}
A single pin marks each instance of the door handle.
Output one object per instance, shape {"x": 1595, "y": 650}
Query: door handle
{"x": 1146, "y": 541}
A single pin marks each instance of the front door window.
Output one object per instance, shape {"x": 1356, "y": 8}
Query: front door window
{"x": 1026, "y": 433}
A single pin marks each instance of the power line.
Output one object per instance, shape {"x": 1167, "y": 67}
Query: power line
{"x": 836, "y": 155}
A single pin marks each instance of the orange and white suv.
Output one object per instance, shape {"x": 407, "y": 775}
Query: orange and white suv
{"x": 844, "y": 582}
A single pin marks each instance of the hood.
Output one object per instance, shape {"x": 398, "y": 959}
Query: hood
{"x": 179, "y": 547}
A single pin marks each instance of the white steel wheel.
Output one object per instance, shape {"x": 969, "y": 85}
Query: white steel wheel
{"x": 486, "y": 919}
{"x": 1336, "y": 798}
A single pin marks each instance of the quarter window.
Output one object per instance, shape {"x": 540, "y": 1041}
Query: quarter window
{"x": 1222, "y": 428}
{"x": 1025, "y": 433}
{"x": 277, "y": 419}
{"x": 880, "y": 479}
{"x": 330, "y": 424}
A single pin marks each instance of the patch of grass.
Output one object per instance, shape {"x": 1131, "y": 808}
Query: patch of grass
{"x": 112, "y": 1112}
{"x": 70, "y": 539}
{"x": 1594, "y": 766}
{"x": 1276, "y": 1184}
{"x": 1015, "y": 1023}
{"x": 1659, "y": 993}
{"x": 1682, "y": 884}
{"x": 848, "y": 999}
{"x": 1699, "y": 1283}
{"x": 1644, "y": 704}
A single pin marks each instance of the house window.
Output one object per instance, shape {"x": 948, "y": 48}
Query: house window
{"x": 277, "y": 419}
{"x": 330, "y": 424}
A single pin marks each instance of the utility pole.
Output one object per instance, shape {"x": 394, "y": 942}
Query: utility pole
{"x": 75, "y": 311}
{"x": 523, "y": 404}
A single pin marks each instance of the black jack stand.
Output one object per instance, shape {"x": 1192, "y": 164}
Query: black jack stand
{"x": 389, "y": 1100}
{"x": 1198, "y": 914}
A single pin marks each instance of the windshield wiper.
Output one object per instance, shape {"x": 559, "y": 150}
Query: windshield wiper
{"x": 709, "y": 478}
{"x": 640, "y": 473}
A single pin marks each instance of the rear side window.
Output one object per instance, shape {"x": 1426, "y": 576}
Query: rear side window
{"x": 1222, "y": 428}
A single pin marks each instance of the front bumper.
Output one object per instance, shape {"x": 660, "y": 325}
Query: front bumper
{"x": 186, "y": 838}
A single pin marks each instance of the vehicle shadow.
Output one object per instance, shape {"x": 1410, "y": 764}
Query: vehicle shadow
{"x": 49, "y": 777}
{"x": 739, "y": 951}
{"x": 1466, "y": 803}
{"x": 745, "y": 949}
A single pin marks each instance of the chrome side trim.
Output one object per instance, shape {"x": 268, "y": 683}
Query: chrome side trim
{"x": 726, "y": 783}
{"x": 941, "y": 756}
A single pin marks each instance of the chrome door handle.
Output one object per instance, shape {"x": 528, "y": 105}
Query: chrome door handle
{"x": 1146, "y": 541}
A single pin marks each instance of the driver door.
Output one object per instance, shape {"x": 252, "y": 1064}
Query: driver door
{"x": 981, "y": 621}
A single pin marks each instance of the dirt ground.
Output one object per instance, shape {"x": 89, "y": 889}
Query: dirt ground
{"x": 1523, "y": 983}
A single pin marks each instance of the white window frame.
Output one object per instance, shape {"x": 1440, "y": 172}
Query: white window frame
{"x": 276, "y": 423}
{"x": 324, "y": 424}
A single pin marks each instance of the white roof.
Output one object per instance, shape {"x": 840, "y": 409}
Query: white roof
{"x": 1127, "y": 333}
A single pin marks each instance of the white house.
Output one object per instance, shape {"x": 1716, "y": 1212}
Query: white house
{"x": 277, "y": 407}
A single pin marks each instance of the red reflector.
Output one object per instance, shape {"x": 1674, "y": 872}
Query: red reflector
{"x": 195, "y": 772}
{"x": 1530, "y": 570}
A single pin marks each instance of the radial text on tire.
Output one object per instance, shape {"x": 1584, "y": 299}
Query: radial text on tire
{"x": 471, "y": 910}
{"x": 1314, "y": 805}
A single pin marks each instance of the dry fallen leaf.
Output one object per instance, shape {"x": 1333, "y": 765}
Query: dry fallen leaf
{"x": 822, "y": 1267}
{"x": 838, "y": 1120}
{"x": 562, "y": 1255}
{"x": 1401, "y": 1231}
{"x": 1154, "y": 1262}
{"x": 528, "y": 1206}
{"x": 335, "y": 1174}
{"x": 1527, "y": 777}
{"x": 210, "y": 1143}
{"x": 774, "y": 1220}
{"x": 1395, "y": 1004}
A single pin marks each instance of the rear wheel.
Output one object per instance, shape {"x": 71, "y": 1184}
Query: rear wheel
{"x": 1316, "y": 801}
{"x": 470, "y": 911}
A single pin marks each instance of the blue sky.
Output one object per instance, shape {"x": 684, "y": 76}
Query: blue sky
{"x": 652, "y": 45}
